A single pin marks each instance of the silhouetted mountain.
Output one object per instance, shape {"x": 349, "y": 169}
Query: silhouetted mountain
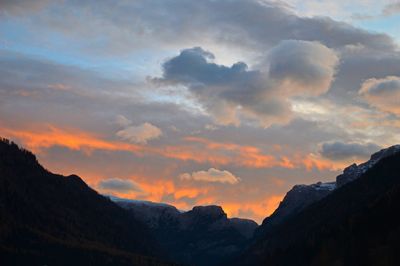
{"x": 201, "y": 236}
{"x": 49, "y": 219}
{"x": 245, "y": 226}
{"x": 356, "y": 224}
{"x": 301, "y": 196}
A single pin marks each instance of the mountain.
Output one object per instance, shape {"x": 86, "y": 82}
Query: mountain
{"x": 201, "y": 236}
{"x": 301, "y": 196}
{"x": 154, "y": 215}
{"x": 356, "y": 224}
{"x": 49, "y": 219}
{"x": 354, "y": 171}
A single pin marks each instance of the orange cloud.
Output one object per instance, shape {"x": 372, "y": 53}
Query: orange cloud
{"x": 311, "y": 161}
{"x": 73, "y": 139}
{"x": 248, "y": 156}
{"x": 189, "y": 192}
{"x": 208, "y": 151}
{"x": 194, "y": 149}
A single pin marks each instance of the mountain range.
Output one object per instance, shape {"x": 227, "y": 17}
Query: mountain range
{"x": 49, "y": 219}
{"x": 201, "y": 236}
{"x": 353, "y": 222}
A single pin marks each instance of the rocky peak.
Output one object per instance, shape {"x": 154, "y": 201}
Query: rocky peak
{"x": 211, "y": 211}
{"x": 299, "y": 197}
{"x": 354, "y": 171}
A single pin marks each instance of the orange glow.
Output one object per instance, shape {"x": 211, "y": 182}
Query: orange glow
{"x": 257, "y": 210}
{"x": 194, "y": 149}
{"x": 188, "y": 193}
{"x": 248, "y": 156}
{"x": 73, "y": 139}
{"x": 156, "y": 190}
{"x": 200, "y": 150}
{"x": 311, "y": 161}
{"x": 212, "y": 152}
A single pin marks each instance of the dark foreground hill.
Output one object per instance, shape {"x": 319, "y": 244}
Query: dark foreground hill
{"x": 49, "y": 219}
{"x": 356, "y": 224}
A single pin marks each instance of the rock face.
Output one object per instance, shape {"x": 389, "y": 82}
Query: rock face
{"x": 201, "y": 236}
{"x": 49, "y": 219}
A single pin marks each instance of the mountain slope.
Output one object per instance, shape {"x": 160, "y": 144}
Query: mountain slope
{"x": 56, "y": 220}
{"x": 357, "y": 224}
{"x": 301, "y": 196}
{"x": 298, "y": 198}
{"x": 201, "y": 236}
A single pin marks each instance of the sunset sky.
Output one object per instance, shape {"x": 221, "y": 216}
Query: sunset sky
{"x": 200, "y": 102}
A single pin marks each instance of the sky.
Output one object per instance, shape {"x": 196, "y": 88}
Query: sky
{"x": 212, "y": 102}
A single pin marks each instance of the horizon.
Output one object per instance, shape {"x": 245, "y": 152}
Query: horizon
{"x": 227, "y": 103}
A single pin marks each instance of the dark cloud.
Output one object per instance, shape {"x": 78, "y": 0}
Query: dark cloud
{"x": 293, "y": 68}
{"x": 119, "y": 185}
{"x": 249, "y": 23}
{"x": 342, "y": 151}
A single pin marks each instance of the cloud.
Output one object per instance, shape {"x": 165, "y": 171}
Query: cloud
{"x": 383, "y": 93}
{"x": 140, "y": 134}
{"x": 193, "y": 149}
{"x": 159, "y": 23}
{"x": 342, "y": 151}
{"x": 122, "y": 121}
{"x": 228, "y": 93}
{"x": 303, "y": 68}
{"x": 119, "y": 185}
{"x": 212, "y": 175}
{"x": 22, "y": 7}
{"x": 391, "y": 9}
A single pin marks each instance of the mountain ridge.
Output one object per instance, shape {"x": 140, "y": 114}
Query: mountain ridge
{"x": 356, "y": 224}
{"x": 203, "y": 235}
{"x": 50, "y": 219}
{"x": 301, "y": 196}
